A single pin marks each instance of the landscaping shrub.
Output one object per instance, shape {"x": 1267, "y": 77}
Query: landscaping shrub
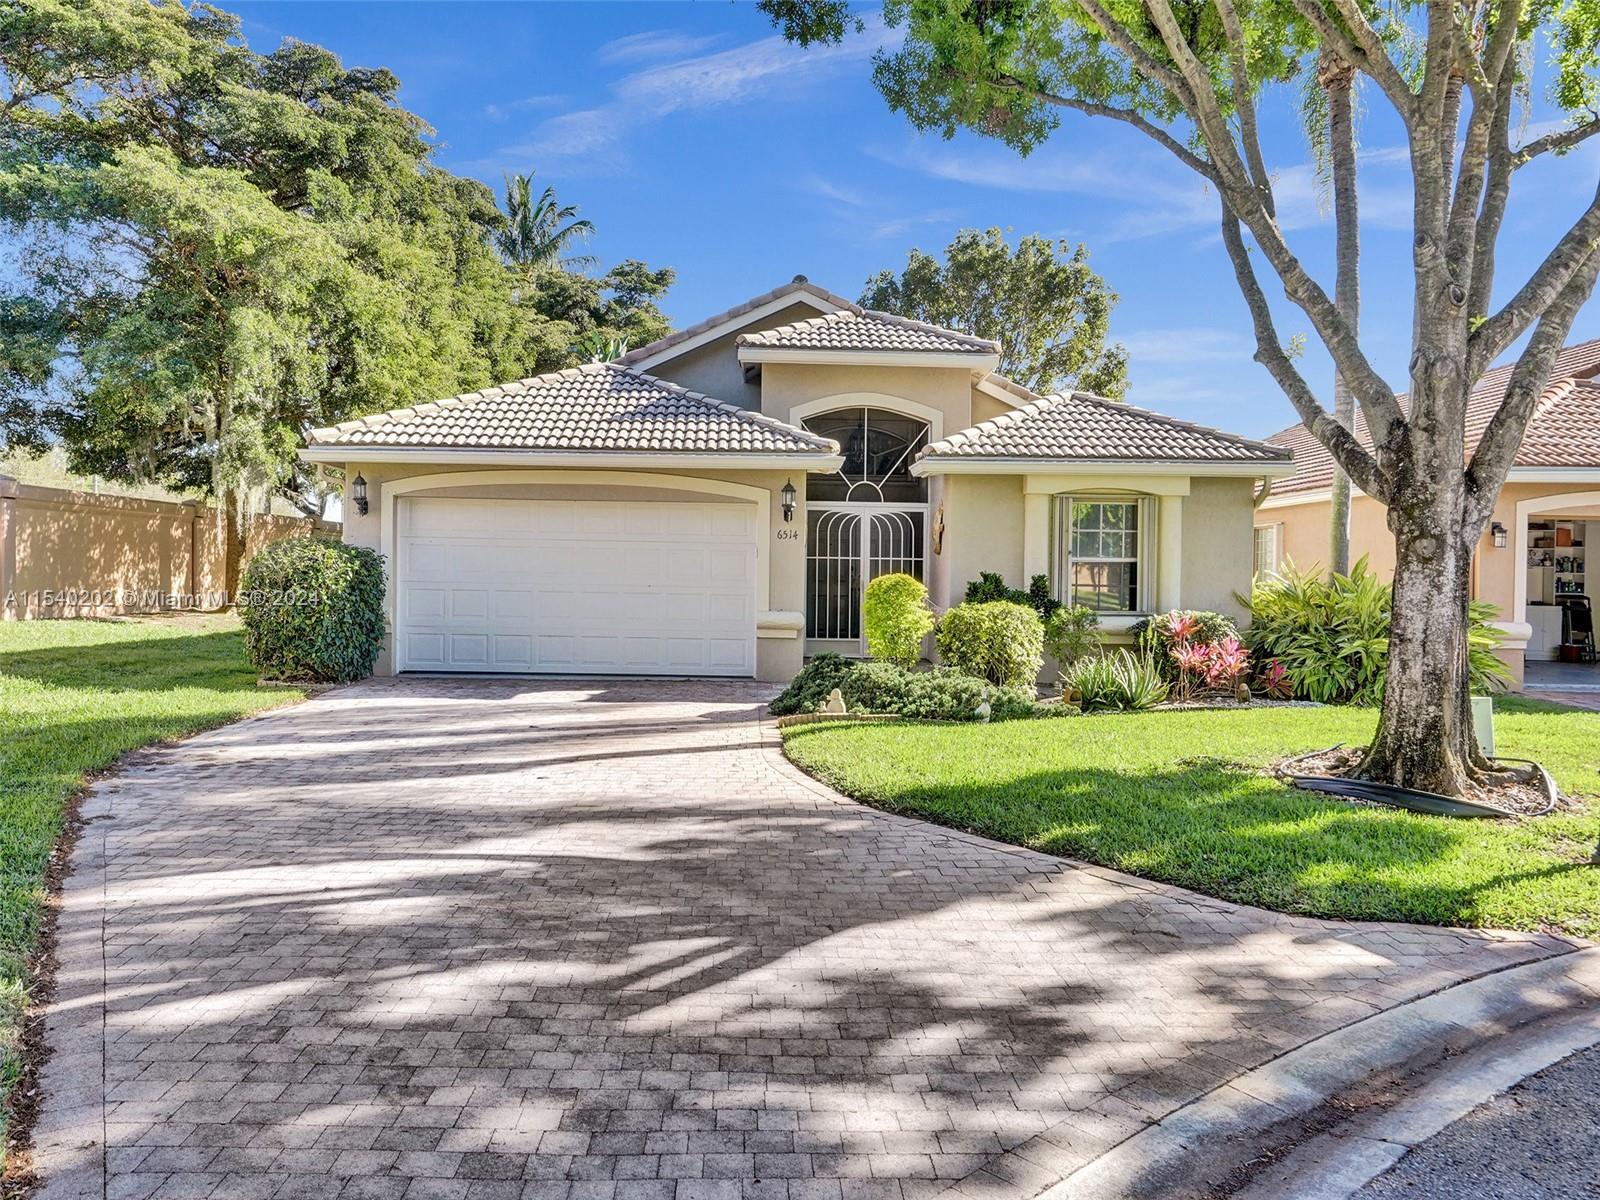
{"x": 810, "y": 687}
{"x": 1330, "y": 636}
{"x": 875, "y": 687}
{"x": 990, "y": 586}
{"x": 896, "y": 617}
{"x": 1120, "y": 681}
{"x": 1071, "y": 632}
{"x": 1159, "y": 635}
{"x": 1016, "y": 704}
{"x": 999, "y": 640}
{"x": 312, "y": 609}
{"x": 943, "y": 695}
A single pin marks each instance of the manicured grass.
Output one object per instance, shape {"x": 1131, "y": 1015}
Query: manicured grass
{"x": 74, "y": 695}
{"x": 1182, "y": 797}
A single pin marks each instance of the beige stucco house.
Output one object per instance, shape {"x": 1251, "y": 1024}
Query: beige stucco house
{"x": 1531, "y": 563}
{"x": 714, "y": 503}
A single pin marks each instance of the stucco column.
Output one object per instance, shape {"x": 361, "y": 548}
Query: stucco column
{"x": 8, "y": 547}
{"x": 1035, "y": 536}
{"x": 1169, "y": 553}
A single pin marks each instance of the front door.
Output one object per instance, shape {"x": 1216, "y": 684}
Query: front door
{"x": 869, "y": 518}
{"x": 848, "y": 545}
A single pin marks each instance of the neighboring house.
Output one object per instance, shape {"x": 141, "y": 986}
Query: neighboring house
{"x": 713, "y": 503}
{"x": 1531, "y": 560}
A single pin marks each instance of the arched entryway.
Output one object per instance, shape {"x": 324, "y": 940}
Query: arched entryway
{"x": 867, "y": 519}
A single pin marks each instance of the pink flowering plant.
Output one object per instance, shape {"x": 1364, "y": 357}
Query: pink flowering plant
{"x": 1199, "y": 652}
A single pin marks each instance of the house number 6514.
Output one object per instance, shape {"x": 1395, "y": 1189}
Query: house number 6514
{"x": 788, "y": 535}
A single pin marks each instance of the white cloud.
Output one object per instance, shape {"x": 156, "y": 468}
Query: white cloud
{"x": 1153, "y": 193}
{"x": 1187, "y": 345}
{"x": 594, "y": 138}
{"x": 654, "y": 43}
{"x": 499, "y": 112}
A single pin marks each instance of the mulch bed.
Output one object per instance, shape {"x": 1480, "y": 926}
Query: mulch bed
{"x": 1518, "y": 798}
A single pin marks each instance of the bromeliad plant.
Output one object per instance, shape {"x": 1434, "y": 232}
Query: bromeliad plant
{"x": 1196, "y": 652}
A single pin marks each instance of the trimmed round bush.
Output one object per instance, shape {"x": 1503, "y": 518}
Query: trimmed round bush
{"x": 896, "y": 618}
{"x": 312, "y": 609}
{"x": 810, "y": 687}
{"x": 876, "y": 687}
{"x": 999, "y": 640}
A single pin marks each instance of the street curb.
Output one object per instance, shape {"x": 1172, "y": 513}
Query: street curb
{"x": 1339, "y": 1163}
{"x": 1093, "y": 1160}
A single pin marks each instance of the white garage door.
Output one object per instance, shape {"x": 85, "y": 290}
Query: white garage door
{"x": 625, "y": 588}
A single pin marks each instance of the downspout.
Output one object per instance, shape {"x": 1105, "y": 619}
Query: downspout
{"x": 1266, "y": 490}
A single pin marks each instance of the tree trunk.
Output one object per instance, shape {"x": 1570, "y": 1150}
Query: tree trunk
{"x": 1425, "y": 737}
{"x": 233, "y": 538}
{"x": 1338, "y": 79}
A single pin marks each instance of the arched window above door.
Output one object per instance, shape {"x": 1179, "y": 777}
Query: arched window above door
{"x": 879, "y": 447}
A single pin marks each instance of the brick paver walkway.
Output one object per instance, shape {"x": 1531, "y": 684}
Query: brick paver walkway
{"x": 560, "y": 940}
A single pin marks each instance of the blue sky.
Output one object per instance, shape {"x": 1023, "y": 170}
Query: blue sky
{"x": 694, "y": 137}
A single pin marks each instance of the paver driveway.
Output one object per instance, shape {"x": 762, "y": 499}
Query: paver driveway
{"x": 580, "y": 941}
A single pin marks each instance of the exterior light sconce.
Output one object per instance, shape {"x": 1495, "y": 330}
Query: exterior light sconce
{"x": 1498, "y": 531}
{"x": 788, "y": 495}
{"x": 358, "y": 494}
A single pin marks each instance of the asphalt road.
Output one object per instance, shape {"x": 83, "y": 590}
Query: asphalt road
{"x": 1539, "y": 1141}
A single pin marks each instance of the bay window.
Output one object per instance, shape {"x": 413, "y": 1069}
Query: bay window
{"x": 1102, "y": 551}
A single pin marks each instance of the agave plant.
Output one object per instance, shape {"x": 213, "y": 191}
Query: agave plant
{"x": 1129, "y": 682}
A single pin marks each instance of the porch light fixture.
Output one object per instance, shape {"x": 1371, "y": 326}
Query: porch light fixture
{"x": 358, "y": 493}
{"x": 1499, "y": 533}
{"x": 788, "y": 495}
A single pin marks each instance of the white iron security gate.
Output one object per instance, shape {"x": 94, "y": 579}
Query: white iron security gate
{"x": 848, "y": 546}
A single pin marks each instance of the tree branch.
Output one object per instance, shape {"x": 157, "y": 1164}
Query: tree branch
{"x": 1558, "y": 141}
{"x": 1496, "y": 192}
{"x": 1117, "y": 34}
{"x": 1570, "y": 255}
{"x": 1374, "y": 55}
{"x": 1233, "y": 181}
{"x": 1127, "y": 116}
{"x": 1502, "y": 438}
{"x": 1244, "y": 104}
{"x": 1357, "y": 462}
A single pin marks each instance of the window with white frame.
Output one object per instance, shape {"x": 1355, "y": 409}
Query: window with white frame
{"x": 1102, "y": 552}
{"x": 1268, "y": 550}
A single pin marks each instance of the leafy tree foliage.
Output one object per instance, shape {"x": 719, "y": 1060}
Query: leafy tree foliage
{"x": 223, "y": 249}
{"x": 1192, "y": 75}
{"x": 1041, "y": 301}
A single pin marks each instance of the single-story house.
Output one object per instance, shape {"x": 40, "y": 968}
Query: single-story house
{"x": 713, "y": 503}
{"x": 1531, "y": 562}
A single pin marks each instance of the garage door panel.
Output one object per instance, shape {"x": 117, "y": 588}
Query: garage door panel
{"x": 566, "y": 586}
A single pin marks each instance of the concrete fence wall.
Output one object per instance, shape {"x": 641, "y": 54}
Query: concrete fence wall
{"x": 74, "y": 554}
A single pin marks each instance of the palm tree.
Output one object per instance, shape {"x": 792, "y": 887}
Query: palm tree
{"x": 1330, "y": 122}
{"x": 537, "y": 232}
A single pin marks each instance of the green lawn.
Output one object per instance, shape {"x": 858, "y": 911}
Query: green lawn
{"x": 74, "y": 695}
{"x": 1181, "y": 797}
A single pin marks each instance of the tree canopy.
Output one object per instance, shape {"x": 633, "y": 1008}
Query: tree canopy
{"x": 222, "y": 249}
{"x": 1041, "y": 301}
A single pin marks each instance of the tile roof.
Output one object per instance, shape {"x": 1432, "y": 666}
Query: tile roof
{"x": 1077, "y": 425}
{"x": 798, "y": 286}
{"x": 1563, "y": 432}
{"x": 865, "y": 330}
{"x": 602, "y": 407}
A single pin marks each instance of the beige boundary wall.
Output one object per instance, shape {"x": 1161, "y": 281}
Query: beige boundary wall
{"x": 75, "y": 554}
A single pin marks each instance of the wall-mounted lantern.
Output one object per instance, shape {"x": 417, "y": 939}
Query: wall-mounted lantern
{"x": 358, "y": 493}
{"x": 1498, "y": 531}
{"x": 788, "y": 495}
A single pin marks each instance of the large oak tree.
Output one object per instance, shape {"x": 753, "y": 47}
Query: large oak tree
{"x": 1192, "y": 75}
